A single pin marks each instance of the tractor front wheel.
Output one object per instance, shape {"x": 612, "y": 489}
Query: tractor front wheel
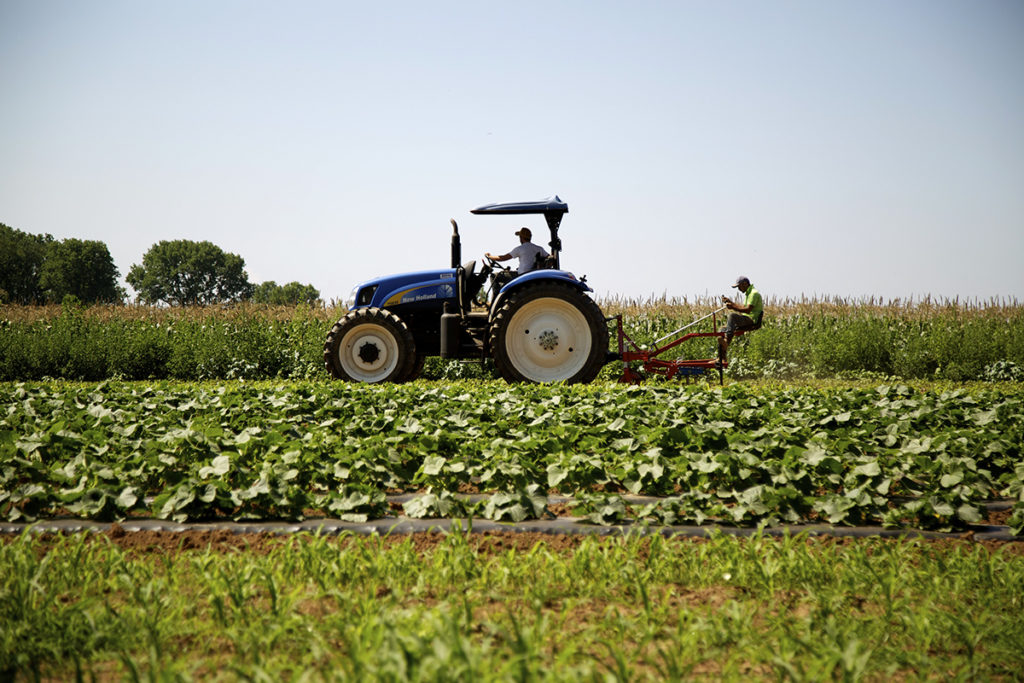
{"x": 549, "y": 332}
{"x": 370, "y": 345}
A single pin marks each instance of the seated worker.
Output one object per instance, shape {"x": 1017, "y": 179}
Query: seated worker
{"x": 526, "y": 252}
{"x": 747, "y": 315}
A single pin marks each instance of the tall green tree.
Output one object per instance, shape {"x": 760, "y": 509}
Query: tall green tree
{"x": 188, "y": 273}
{"x": 82, "y": 268}
{"x": 21, "y": 260}
{"x": 293, "y": 293}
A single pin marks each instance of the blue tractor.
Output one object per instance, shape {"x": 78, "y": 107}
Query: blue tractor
{"x": 541, "y": 326}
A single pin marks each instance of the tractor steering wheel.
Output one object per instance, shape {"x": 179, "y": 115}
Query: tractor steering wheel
{"x": 495, "y": 264}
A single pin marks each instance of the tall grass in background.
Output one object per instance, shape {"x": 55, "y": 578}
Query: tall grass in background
{"x": 813, "y": 337}
{"x": 140, "y": 342}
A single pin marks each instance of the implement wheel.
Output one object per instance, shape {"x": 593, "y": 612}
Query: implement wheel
{"x": 549, "y": 332}
{"x": 370, "y": 345}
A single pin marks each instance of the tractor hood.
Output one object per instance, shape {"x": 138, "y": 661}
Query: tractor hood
{"x": 426, "y": 286}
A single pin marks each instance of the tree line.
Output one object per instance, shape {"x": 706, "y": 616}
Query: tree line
{"x": 37, "y": 269}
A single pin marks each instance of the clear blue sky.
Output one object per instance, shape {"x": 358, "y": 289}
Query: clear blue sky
{"x": 849, "y": 148}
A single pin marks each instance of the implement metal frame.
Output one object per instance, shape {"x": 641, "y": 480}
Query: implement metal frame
{"x": 630, "y": 352}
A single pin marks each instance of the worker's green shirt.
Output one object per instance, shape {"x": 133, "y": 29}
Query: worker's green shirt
{"x": 753, "y": 299}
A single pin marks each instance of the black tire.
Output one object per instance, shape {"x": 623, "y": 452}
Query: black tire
{"x": 416, "y": 370}
{"x": 549, "y": 332}
{"x": 370, "y": 345}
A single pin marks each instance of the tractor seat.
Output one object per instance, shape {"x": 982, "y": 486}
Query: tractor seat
{"x": 543, "y": 262}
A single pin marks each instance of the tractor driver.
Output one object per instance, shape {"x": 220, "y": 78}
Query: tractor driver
{"x": 527, "y": 252}
{"x": 747, "y": 315}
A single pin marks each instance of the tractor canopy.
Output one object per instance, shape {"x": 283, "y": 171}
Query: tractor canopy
{"x": 553, "y": 209}
{"x": 551, "y": 204}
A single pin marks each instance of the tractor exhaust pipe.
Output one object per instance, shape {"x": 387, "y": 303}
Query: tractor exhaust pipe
{"x": 456, "y": 245}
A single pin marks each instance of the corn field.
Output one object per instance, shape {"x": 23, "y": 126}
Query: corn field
{"x": 812, "y": 338}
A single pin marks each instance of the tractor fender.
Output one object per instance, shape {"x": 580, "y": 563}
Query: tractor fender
{"x": 537, "y": 276}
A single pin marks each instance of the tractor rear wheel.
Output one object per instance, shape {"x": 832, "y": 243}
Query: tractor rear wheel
{"x": 370, "y": 345}
{"x": 416, "y": 370}
{"x": 549, "y": 332}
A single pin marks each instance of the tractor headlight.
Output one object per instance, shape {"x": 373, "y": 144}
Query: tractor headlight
{"x": 361, "y": 296}
{"x": 351, "y": 300}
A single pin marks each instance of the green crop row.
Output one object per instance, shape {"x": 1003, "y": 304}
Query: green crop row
{"x": 889, "y": 455}
{"x": 490, "y": 609}
{"x": 251, "y": 342}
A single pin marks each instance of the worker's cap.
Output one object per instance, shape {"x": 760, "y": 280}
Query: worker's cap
{"x": 741, "y": 279}
{"x": 524, "y": 232}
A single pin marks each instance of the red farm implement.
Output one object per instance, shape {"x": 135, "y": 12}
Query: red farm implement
{"x": 639, "y": 361}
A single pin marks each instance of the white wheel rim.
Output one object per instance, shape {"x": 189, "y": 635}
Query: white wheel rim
{"x": 368, "y": 353}
{"x": 548, "y": 340}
